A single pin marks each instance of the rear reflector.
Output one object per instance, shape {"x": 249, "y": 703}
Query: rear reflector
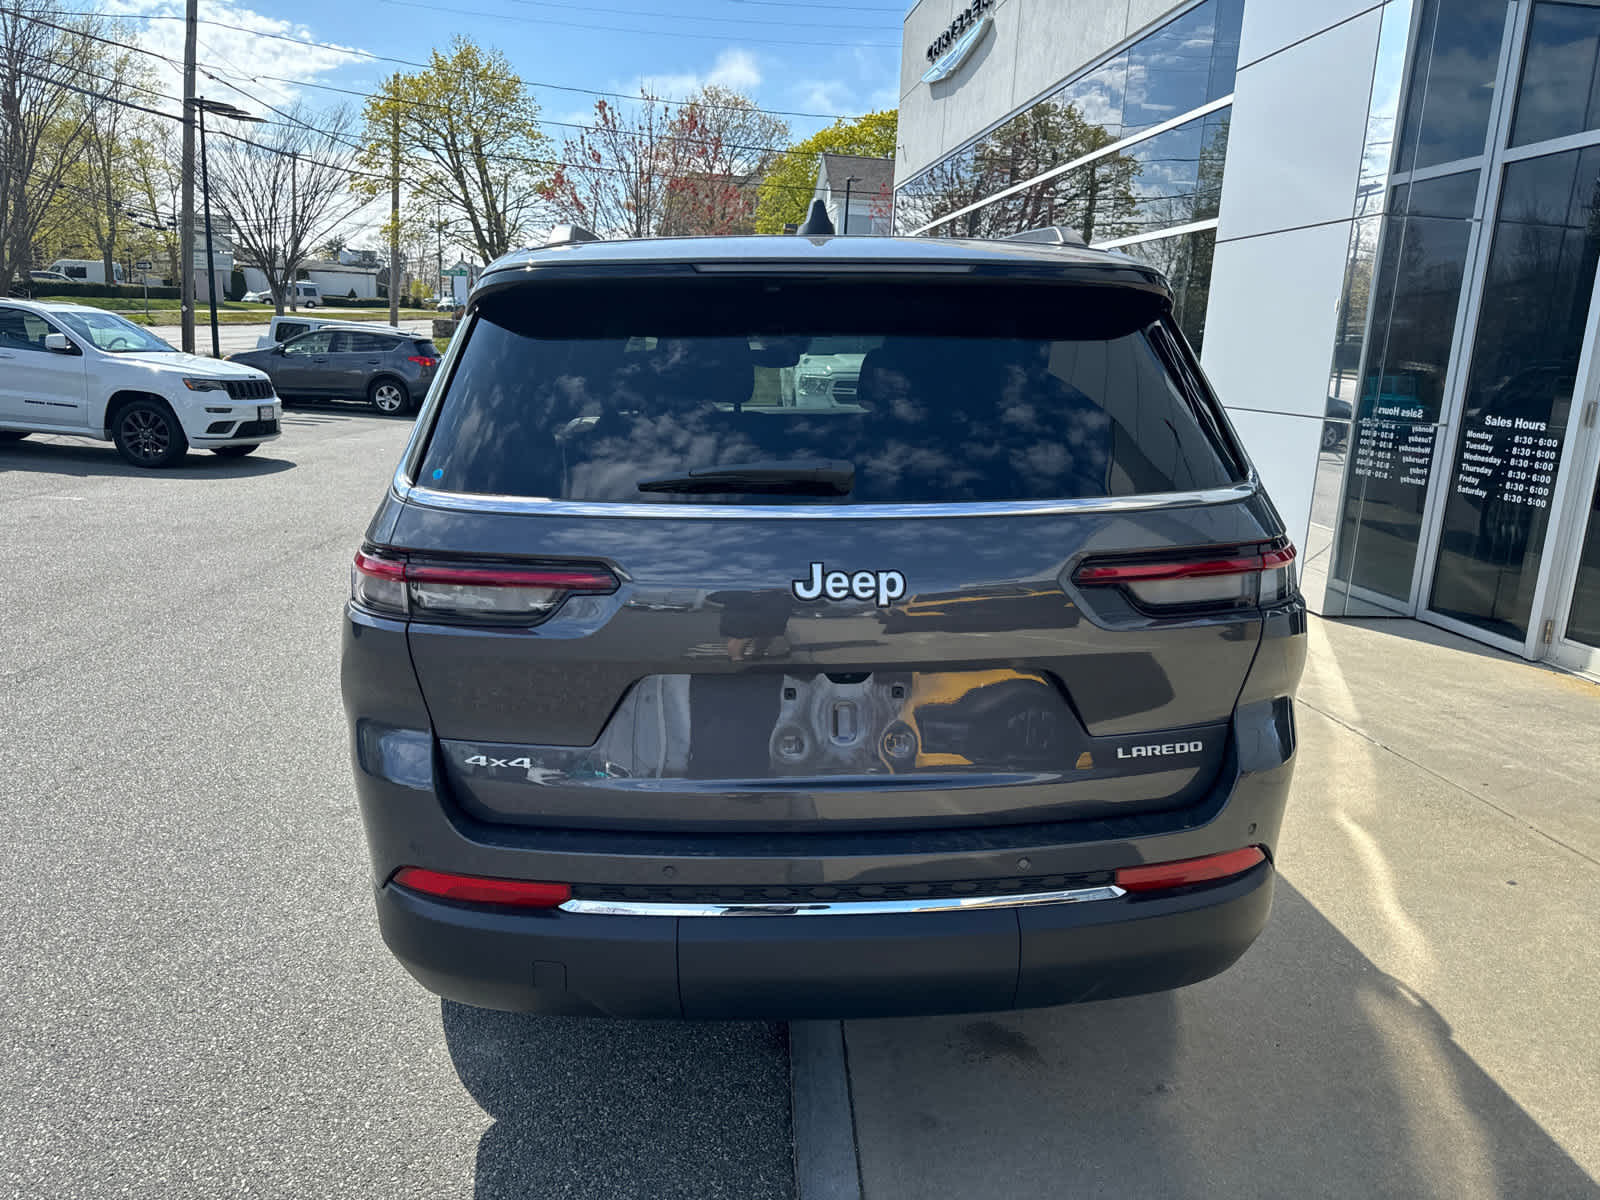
{"x": 478, "y": 889}
{"x": 1245, "y": 575}
{"x": 472, "y": 592}
{"x": 1159, "y": 877}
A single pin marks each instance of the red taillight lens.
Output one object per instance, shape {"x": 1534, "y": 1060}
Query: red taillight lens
{"x": 1237, "y": 576}
{"x": 472, "y": 592}
{"x": 422, "y": 360}
{"x": 1158, "y": 877}
{"x": 479, "y": 889}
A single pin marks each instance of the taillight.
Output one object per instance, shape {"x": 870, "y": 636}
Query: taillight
{"x": 1158, "y": 877}
{"x": 422, "y": 360}
{"x": 1235, "y": 576}
{"x": 481, "y": 889}
{"x": 471, "y": 593}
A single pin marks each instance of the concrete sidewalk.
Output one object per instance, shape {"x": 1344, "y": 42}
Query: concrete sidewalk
{"x": 1418, "y": 1019}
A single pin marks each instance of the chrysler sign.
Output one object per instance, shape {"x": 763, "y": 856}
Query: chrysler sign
{"x": 951, "y": 48}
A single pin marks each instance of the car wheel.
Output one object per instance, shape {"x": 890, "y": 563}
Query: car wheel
{"x": 235, "y": 451}
{"x": 388, "y": 396}
{"x": 12, "y": 435}
{"x": 148, "y": 435}
{"x": 1330, "y": 437}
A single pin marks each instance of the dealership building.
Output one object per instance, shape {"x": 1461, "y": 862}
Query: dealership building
{"x": 1381, "y": 223}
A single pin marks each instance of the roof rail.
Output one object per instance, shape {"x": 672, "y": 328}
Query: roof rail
{"x": 1050, "y": 235}
{"x": 566, "y": 235}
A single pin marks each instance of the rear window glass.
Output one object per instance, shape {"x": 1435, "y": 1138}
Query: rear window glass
{"x": 923, "y": 397}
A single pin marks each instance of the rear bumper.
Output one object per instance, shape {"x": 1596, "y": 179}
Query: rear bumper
{"x": 824, "y": 966}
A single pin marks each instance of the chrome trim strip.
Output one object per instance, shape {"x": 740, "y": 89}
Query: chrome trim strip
{"x": 405, "y": 490}
{"x": 667, "y": 908}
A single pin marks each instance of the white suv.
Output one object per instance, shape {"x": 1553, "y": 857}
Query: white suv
{"x": 68, "y": 368}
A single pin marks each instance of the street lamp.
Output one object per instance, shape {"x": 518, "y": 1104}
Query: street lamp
{"x": 221, "y": 109}
{"x": 848, "y": 180}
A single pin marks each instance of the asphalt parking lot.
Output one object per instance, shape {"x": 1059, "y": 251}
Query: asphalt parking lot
{"x": 194, "y": 996}
{"x": 196, "y": 1002}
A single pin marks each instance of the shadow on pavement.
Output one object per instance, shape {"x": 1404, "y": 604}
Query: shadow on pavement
{"x": 593, "y": 1107}
{"x": 1304, "y": 1071}
{"x": 88, "y": 458}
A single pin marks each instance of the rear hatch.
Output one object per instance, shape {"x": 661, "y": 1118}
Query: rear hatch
{"x": 659, "y": 578}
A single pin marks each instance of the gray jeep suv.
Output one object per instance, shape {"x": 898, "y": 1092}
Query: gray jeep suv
{"x": 675, "y": 692}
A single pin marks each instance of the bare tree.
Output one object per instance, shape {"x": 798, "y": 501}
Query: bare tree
{"x": 44, "y": 119}
{"x": 112, "y": 127}
{"x": 284, "y": 191}
{"x": 722, "y": 145}
{"x": 615, "y": 173}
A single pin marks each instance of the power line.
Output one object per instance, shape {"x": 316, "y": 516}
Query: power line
{"x": 662, "y": 137}
{"x": 677, "y": 33}
{"x": 835, "y": 7}
{"x": 407, "y": 62}
{"x": 660, "y": 16}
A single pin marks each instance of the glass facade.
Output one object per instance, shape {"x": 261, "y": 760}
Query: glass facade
{"x": 1086, "y": 156}
{"x": 1454, "y": 396}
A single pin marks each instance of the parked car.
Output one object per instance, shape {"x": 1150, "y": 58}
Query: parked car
{"x": 388, "y": 369}
{"x": 282, "y": 329}
{"x": 70, "y": 369}
{"x": 264, "y": 296}
{"x": 448, "y": 304}
{"x": 988, "y": 704}
{"x": 51, "y": 277}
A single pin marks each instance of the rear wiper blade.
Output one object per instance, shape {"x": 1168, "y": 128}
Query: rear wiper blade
{"x": 797, "y": 477}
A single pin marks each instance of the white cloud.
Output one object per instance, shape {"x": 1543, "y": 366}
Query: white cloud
{"x": 241, "y": 57}
{"x": 736, "y": 69}
{"x": 733, "y": 68}
{"x": 824, "y": 95}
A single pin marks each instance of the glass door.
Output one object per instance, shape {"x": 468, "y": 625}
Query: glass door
{"x": 1513, "y": 460}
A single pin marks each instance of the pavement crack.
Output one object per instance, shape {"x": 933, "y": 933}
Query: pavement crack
{"x": 1451, "y": 783}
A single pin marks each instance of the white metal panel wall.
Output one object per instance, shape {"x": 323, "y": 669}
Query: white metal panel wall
{"x": 1288, "y": 195}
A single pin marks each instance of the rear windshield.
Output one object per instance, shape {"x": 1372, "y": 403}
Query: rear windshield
{"x": 921, "y": 394}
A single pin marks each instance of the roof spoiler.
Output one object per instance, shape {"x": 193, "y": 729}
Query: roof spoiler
{"x": 1050, "y": 235}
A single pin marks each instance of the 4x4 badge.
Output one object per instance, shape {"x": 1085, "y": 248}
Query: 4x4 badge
{"x": 880, "y": 586}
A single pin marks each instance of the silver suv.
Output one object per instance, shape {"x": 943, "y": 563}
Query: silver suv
{"x": 679, "y": 689}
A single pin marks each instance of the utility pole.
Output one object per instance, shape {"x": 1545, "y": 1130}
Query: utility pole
{"x": 211, "y": 265}
{"x": 848, "y": 181}
{"x": 438, "y": 234}
{"x": 191, "y": 22}
{"x": 394, "y": 215}
{"x": 293, "y": 230}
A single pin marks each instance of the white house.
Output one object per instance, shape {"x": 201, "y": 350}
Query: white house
{"x": 867, "y": 183}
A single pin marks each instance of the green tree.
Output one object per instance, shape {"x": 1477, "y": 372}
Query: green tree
{"x": 469, "y": 142}
{"x": 789, "y": 183}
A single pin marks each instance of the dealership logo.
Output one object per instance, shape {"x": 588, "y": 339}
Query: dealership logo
{"x": 951, "y": 48}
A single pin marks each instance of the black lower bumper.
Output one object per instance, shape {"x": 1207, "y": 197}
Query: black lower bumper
{"x": 825, "y": 966}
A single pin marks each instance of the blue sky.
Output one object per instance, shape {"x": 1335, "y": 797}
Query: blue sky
{"x": 813, "y": 56}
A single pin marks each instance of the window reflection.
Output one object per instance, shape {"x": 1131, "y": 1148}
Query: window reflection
{"x": 1453, "y": 81}
{"x": 1186, "y": 262}
{"x": 1167, "y": 180}
{"x": 1416, "y": 291}
{"x": 1518, "y": 402}
{"x": 1560, "y": 88}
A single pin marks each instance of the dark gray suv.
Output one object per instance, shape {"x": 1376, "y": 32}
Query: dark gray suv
{"x": 388, "y": 369}
{"x": 677, "y": 688}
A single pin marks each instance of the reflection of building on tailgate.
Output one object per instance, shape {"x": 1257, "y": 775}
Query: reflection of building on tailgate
{"x": 1378, "y": 228}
